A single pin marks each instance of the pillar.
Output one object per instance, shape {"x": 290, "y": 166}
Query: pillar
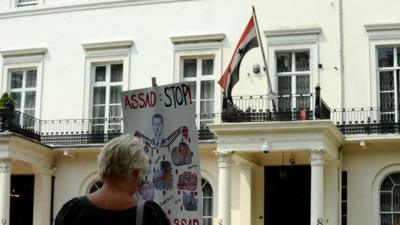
{"x": 317, "y": 187}
{"x": 42, "y": 195}
{"x": 224, "y": 188}
{"x": 245, "y": 194}
{"x": 5, "y": 183}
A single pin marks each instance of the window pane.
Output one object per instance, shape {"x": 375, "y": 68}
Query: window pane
{"x": 387, "y": 118}
{"x": 385, "y": 57}
{"x": 284, "y": 62}
{"x": 387, "y": 102}
{"x": 285, "y": 85}
{"x": 284, "y": 104}
{"x": 116, "y": 72}
{"x": 30, "y": 99}
{"x": 30, "y": 78}
{"x": 207, "y": 66}
{"x": 207, "y": 190}
{"x": 396, "y": 178}
{"x": 99, "y": 95}
{"x": 115, "y": 111}
{"x": 16, "y": 79}
{"x": 303, "y": 84}
{"x": 207, "y": 106}
{"x": 387, "y": 185}
{"x": 396, "y": 219}
{"x": 98, "y": 112}
{"x": 100, "y": 74}
{"x": 386, "y": 81}
{"x": 396, "y": 199}
{"x": 115, "y": 94}
{"x": 207, "y": 206}
{"x": 194, "y": 89}
{"x": 386, "y": 202}
{"x": 189, "y": 68}
{"x": 303, "y": 102}
{"x": 386, "y": 219}
{"x": 17, "y": 98}
{"x": 30, "y": 112}
{"x": 207, "y": 89}
{"x": 302, "y": 61}
{"x": 207, "y": 221}
{"x": 398, "y": 56}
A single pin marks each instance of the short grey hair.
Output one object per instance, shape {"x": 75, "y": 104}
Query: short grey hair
{"x": 120, "y": 156}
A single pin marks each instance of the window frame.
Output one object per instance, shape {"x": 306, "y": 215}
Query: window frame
{"x": 395, "y": 68}
{"x": 208, "y": 197}
{"x": 391, "y": 212}
{"x": 107, "y": 84}
{"x": 198, "y": 79}
{"x": 196, "y": 46}
{"x": 293, "y": 75}
{"x": 22, "y": 59}
{"x": 292, "y": 40}
{"x": 104, "y": 53}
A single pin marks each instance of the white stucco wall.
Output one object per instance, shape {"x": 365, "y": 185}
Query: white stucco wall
{"x": 366, "y": 170}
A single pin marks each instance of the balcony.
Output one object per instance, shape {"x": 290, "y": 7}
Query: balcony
{"x": 244, "y": 109}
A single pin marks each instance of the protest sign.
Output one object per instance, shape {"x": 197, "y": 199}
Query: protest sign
{"x": 163, "y": 118}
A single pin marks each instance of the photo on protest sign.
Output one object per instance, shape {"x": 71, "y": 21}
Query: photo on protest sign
{"x": 163, "y": 118}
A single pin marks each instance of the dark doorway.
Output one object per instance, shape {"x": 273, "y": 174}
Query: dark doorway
{"x": 21, "y": 204}
{"x": 287, "y": 195}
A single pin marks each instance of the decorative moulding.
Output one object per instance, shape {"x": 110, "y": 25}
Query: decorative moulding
{"x": 293, "y": 31}
{"x": 70, "y": 7}
{"x": 107, "y": 45}
{"x": 382, "y": 27}
{"x": 23, "y": 52}
{"x": 198, "y": 38}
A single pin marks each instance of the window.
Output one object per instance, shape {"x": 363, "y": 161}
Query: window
{"x": 293, "y": 80}
{"x": 390, "y": 200}
{"x": 95, "y": 186}
{"x": 199, "y": 72}
{"x": 106, "y": 106}
{"x": 21, "y": 3}
{"x": 207, "y": 202}
{"x": 344, "y": 198}
{"x": 23, "y": 91}
{"x": 389, "y": 92}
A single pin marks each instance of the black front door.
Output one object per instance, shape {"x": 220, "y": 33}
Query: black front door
{"x": 287, "y": 195}
{"x": 21, "y": 202}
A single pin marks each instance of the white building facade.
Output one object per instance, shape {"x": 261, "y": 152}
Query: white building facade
{"x": 328, "y": 153}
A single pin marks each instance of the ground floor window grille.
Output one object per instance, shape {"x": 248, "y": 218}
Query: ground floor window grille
{"x": 390, "y": 200}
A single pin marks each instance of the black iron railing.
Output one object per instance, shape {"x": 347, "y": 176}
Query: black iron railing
{"x": 81, "y": 131}
{"x": 288, "y": 108}
{"x": 370, "y": 120}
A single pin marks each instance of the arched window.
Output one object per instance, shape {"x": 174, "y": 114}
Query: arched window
{"x": 390, "y": 200}
{"x": 207, "y": 202}
{"x": 95, "y": 186}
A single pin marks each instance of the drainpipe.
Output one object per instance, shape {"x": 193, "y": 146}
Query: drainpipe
{"x": 341, "y": 57}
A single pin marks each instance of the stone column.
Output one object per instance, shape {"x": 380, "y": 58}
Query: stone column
{"x": 224, "y": 188}
{"x": 317, "y": 187}
{"x": 245, "y": 193}
{"x": 42, "y": 195}
{"x": 5, "y": 184}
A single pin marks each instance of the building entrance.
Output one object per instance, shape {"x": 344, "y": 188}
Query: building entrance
{"x": 21, "y": 202}
{"x": 287, "y": 195}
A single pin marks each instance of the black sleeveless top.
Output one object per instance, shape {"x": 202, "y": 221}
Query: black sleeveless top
{"x": 80, "y": 211}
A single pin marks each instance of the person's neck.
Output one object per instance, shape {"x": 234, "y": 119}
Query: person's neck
{"x": 114, "y": 195}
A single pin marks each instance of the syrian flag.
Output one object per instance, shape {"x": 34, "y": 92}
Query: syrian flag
{"x": 247, "y": 41}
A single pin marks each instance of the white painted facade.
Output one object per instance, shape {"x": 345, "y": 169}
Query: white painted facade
{"x": 65, "y": 39}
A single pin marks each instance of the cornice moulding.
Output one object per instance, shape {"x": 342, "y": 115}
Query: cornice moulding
{"x": 198, "y": 38}
{"x": 293, "y": 31}
{"x": 48, "y": 9}
{"x": 23, "y": 52}
{"x": 382, "y": 27}
{"x": 107, "y": 45}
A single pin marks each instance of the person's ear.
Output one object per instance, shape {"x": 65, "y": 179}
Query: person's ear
{"x": 136, "y": 174}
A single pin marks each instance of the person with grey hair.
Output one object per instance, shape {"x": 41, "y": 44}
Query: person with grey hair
{"x": 120, "y": 165}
